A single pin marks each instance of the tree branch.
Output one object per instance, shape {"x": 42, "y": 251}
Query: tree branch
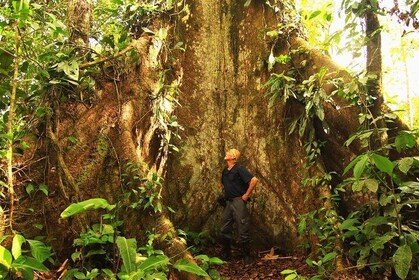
{"x": 136, "y": 44}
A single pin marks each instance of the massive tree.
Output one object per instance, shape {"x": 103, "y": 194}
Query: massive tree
{"x": 210, "y": 93}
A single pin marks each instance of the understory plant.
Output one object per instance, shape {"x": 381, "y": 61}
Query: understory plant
{"x": 101, "y": 251}
{"x": 384, "y": 234}
{"x": 26, "y": 257}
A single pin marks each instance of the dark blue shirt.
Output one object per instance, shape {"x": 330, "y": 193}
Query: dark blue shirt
{"x": 235, "y": 181}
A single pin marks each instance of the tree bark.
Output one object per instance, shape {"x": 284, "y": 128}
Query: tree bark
{"x": 79, "y": 20}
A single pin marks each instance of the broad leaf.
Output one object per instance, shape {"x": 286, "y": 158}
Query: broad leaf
{"x": 376, "y": 221}
{"x": 315, "y": 14}
{"x": 214, "y": 274}
{"x": 404, "y": 141}
{"x": 39, "y": 250}
{"x": 329, "y": 256}
{"x": 204, "y": 258}
{"x": 405, "y": 164}
{"x": 18, "y": 240}
{"x": 30, "y": 188}
{"x": 382, "y": 163}
{"x": 287, "y": 271}
{"x": 402, "y": 259}
{"x": 44, "y": 189}
{"x": 185, "y": 265}
{"x": 378, "y": 242}
{"x": 90, "y": 204}
{"x": 351, "y": 164}
{"x": 29, "y": 263}
{"x": 358, "y": 185}
{"x": 216, "y": 261}
{"x": 5, "y": 257}
{"x": 153, "y": 262}
{"x": 127, "y": 249}
{"x": 360, "y": 166}
{"x": 348, "y": 223}
{"x": 371, "y": 184}
{"x": 27, "y": 273}
{"x": 136, "y": 275}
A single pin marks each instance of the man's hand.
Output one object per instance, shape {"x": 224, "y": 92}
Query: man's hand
{"x": 252, "y": 185}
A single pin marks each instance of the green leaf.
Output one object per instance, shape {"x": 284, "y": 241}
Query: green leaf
{"x": 320, "y": 113}
{"x": 329, "y": 256}
{"x": 79, "y": 275}
{"x": 376, "y": 221}
{"x": 214, "y": 274}
{"x": 186, "y": 265}
{"x": 384, "y": 200}
{"x": 39, "y": 250}
{"x": 108, "y": 273}
{"x": 153, "y": 262}
{"x": 29, "y": 263}
{"x": 44, "y": 189}
{"x": 404, "y": 140}
{"x": 290, "y": 277}
{"x": 22, "y": 9}
{"x": 72, "y": 139}
{"x": 38, "y": 226}
{"x": 402, "y": 258}
{"x": 405, "y": 164}
{"x": 162, "y": 33}
{"x": 90, "y": 204}
{"x": 27, "y": 273}
{"x": 378, "y": 242}
{"x": 358, "y": 185}
{"x": 287, "y": 271}
{"x": 302, "y": 225}
{"x": 371, "y": 184}
{"x": 5, "y": 257}
{"x": 352, "y": 163}
{"x": 216, "y": 261}
{"x": 360, "y": 166}
{"x": 17, "y": 242}
{"x": 139, "y": 274}
{"x": 69, "y": 275}
{"x": 75, "y": 256}
{"x": 204, "y": 258}
{"x": 348, "y": 223}
{"x": 95, "y": 252}
{"x": 382, "y": 163}
{"x": 127, "y": 249}
{"x": 314, "y": 14}
{"x": 29, "y": 188}
{"x": 70, "y": 68}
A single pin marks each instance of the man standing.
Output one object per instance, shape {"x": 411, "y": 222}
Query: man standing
{"x": 237, "y": 184}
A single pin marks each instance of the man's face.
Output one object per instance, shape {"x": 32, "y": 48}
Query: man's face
{"x": 229, "y": 158}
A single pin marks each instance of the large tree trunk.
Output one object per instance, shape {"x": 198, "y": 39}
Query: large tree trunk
{"x": 223, "y": 107}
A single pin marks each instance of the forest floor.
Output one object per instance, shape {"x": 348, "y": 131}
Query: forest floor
{"x": 268, "y": 266}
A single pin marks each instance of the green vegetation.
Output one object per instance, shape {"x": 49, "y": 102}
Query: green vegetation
{"x": 383, "y": 234}
{"x": 95, "y": 254}
{"x": 18, "y": 261}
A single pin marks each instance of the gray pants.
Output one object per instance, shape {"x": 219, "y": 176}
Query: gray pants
{"x": 236, "y": 212}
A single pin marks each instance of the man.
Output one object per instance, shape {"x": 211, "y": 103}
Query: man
{"x": 237, "y": 184}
